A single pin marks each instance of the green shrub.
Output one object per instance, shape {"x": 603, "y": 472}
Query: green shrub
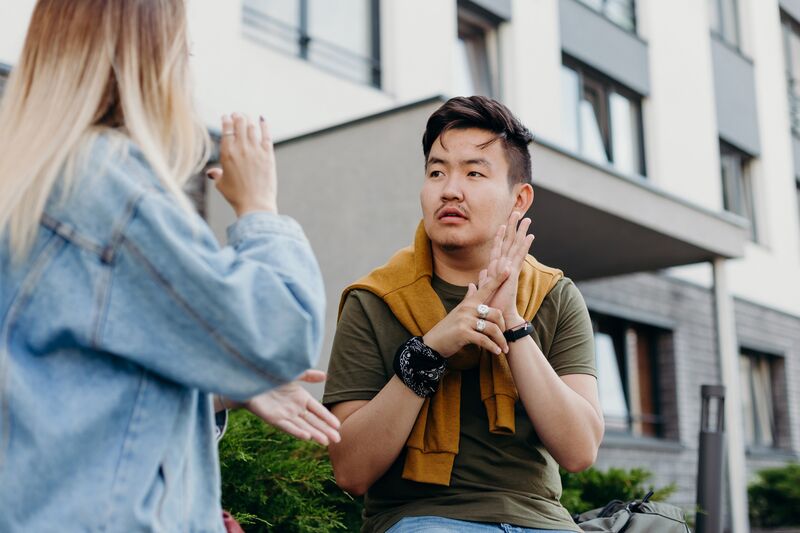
{"x": 593, "y": 488}
{"x": 775, "y": 497}
{"x": 274, "y": 482}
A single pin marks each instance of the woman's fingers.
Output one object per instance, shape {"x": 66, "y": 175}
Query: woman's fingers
{"x": 239, "y": 126}
{"x": 312, "y": 376}
{"x": 331, "y": 433}
{"x": 214, "y": 173}
{"x": 266, "y": 136}
{"x": 301, "y": 422}
{"x": 326, "y": 416}
{"x": 226, "y": 135}
{"x": 252, "y": 133}
{"x": 287, "y": 426}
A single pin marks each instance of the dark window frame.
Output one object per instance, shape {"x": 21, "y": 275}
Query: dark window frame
{"x": 790, "y": 25}
{"x": 261, "y": 21}
{"x": 485, "y": 26}
{"x": 606, "y": 86}
{"x": 616, "y": 327}
{"x": 736, "y": 42}
{"x": 744, "y": 193}
{"x": 778, "y": 421}
{"x": 603, "y": 12}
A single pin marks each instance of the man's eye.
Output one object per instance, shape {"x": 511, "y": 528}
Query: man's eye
{"x": 435, "y": 173}
{"x": 475, "y": 173}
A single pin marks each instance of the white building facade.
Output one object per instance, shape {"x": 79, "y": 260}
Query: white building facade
{"x": 666, "y": 163}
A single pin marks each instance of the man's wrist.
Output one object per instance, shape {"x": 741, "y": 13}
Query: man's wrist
{"x": 513, "y": 320}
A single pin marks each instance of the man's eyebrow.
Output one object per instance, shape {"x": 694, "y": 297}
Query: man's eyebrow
{"x": 478, "y": 161}
{"x": 435, "y": 161}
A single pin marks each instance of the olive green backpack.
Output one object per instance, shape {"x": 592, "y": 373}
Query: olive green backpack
{"x": 638, "y": 516}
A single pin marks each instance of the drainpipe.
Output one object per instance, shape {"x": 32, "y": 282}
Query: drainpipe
{"x": 729, "y": 367}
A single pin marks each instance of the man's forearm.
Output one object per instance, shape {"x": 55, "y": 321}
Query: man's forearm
{"x": 568, "y": 425}
{"x": 373, "y": 436}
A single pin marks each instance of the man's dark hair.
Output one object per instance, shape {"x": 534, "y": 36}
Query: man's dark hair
{"x": 487, "y": 114}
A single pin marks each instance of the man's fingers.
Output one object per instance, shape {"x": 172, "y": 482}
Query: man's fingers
{"x": 492, "y": 283}
{"x": 471, "y": 290}
{"x": 312, "y": 376}
{"x": 497, "y": 246}
{"x": 482, "y": 277}
{"x": 511, "y": 229}
{"x": 482, "y": 341}
{"x": 496, "y": 316}
{"x": 519, "y": 249}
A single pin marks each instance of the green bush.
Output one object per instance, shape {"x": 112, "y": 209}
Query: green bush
{"x": 775, "y": 497}
{"x": 274, "y": 482}
{"x": 593, "y": 488}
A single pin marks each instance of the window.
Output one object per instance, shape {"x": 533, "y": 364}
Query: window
{"x": 737, "y": 187}
{"x": 758, "y": 372}
{"x": 602, "y": 119}
{"x": 724, "y": 16}
{"x": 620, "y": 12}
{"x": 791, "y": 52}
{"x": 628, "y": 375}
{"x": 476, "y": 58}
{"x": 341, "y": 37}
{"x": 3, "y": 77}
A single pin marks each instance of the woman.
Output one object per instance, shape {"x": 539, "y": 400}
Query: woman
{"x": 119, "y": 313}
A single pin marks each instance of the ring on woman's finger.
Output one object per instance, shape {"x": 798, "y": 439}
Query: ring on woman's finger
{"x": 483, "y": 310}
{"x": 481, "y": 325}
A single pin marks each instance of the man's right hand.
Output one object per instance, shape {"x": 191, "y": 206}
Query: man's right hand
{"x": 248, "y": 179}
{"x": 459, "y": 327}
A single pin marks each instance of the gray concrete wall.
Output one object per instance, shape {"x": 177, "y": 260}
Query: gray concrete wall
{"x": 734, "y": 86}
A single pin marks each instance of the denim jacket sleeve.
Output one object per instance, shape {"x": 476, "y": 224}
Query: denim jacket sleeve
{"x": 234, "y": 320}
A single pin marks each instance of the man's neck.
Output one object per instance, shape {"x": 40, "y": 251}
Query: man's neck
{"x": 459, "y": 267}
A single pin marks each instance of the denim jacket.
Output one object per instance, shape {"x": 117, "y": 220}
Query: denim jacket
{"x": 114, "y": 332}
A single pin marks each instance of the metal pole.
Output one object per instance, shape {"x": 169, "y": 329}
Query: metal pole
{"x": 710, "y": 460}
{"x": 729, "y": 367}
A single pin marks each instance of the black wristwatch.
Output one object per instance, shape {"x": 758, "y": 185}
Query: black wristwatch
{"x": 516, "y": 333}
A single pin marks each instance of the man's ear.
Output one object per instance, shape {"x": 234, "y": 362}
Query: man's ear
{"x": 523, "y": 197}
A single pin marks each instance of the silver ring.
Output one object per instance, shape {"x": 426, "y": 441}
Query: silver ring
{"x": 224, "y": 133}
{"x": 481, "y": 325}
{"x": 483, "y": 310}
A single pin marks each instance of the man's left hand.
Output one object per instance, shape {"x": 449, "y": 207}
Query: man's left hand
{"x": 511, "y": 245}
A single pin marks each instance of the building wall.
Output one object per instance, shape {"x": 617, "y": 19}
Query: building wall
{"x": 687, "y": 310}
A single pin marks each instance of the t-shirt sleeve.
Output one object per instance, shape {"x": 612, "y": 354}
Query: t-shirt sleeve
{"x": 572, "y": 351}
{"x": 356, "y": 370}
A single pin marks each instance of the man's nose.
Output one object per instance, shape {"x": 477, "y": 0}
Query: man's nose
{"x": 451, "y": 188}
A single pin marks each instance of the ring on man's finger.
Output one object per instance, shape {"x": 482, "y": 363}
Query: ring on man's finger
{"x": 224, "y": 133}
{"x": 481, "y": 325}
{"x": 483, "y": 310}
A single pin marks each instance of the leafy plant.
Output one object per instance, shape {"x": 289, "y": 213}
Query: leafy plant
{"x": 274, "y": 482}
{"x": 594, "y": 488}
{"x": 775, "y": 497}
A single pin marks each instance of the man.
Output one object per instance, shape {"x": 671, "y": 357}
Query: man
{"x": 463, "y": 370}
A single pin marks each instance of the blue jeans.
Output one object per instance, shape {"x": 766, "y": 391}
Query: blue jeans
{"x": 436, "y": 524}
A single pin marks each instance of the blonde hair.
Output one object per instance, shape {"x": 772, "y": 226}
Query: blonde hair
{"x": 87, "y": 67}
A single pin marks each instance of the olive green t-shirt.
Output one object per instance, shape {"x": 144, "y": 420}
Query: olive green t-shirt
{"x": 496, "y": 478}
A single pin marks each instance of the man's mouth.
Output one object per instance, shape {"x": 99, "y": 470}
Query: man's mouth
{"x": 450, "y": 213}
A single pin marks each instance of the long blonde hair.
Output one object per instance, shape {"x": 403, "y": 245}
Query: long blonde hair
{"x": 90, "y": 66}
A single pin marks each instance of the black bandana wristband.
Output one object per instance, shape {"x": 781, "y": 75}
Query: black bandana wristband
{"x": 419, "y": 366}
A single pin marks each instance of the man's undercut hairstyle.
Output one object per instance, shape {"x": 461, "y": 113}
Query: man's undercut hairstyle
{"x": 484, "y": 113}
